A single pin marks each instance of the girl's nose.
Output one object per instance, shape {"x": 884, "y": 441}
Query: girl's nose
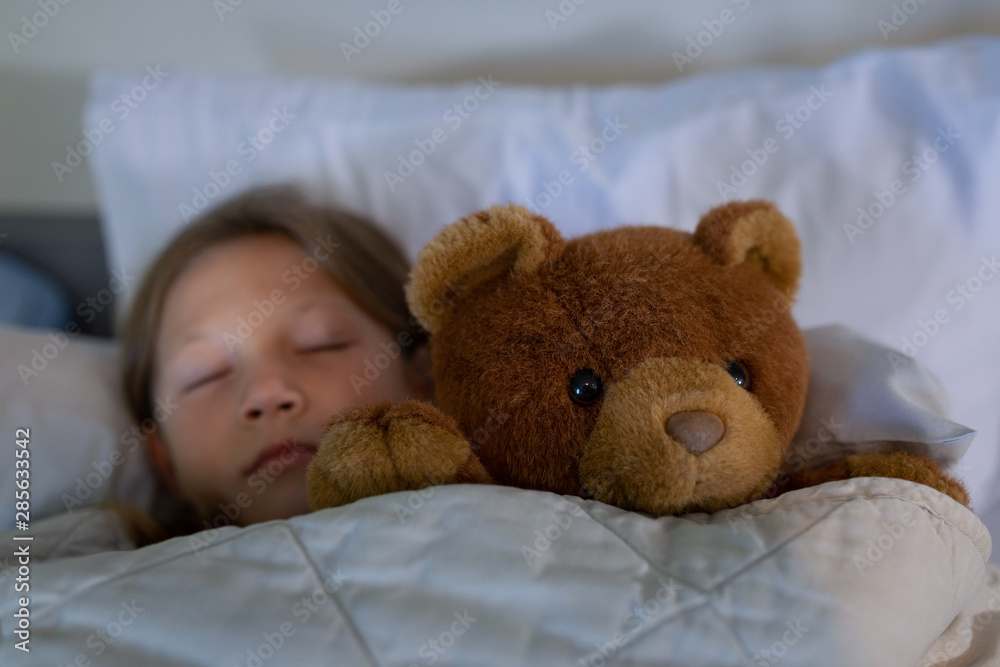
{"x": 270, "y": 397}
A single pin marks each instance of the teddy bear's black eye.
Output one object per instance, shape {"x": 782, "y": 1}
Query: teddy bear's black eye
{"x": 585, "y": 387}
{"x": 739, "y": 373}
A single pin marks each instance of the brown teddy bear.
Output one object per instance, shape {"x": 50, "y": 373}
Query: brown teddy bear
{"x": 644, "y": 367}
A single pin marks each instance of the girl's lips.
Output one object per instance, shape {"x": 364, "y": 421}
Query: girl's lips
{"x": 285, "y": 453}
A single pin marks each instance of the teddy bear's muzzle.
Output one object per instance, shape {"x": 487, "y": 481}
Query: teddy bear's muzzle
{"x": 679, "y": 435}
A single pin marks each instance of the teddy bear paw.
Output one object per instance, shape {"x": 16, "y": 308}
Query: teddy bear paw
{"x": 386, "y": 447}
{"x": 899, "y": 465}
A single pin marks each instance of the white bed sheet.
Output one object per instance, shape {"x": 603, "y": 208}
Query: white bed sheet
{"x": 862, "y": 572}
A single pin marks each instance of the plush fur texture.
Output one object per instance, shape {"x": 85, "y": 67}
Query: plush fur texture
{"x": 892, "y": 464}
{"x": 659, "y": 316}
{"x": 382, "y": 447}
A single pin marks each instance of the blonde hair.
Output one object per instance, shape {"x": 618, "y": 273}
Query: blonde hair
{"x": 365, "y": 263}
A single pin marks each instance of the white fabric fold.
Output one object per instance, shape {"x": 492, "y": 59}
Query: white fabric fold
{"x": 867, "y": 571}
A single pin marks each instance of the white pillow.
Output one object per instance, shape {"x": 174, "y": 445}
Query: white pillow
{"x": 887, "y": 162}
{"x": 60, "y": 389}
{"x": 865, "y": 397}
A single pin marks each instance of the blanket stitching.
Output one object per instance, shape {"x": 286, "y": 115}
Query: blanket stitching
{"x": 149, "y": 566}
{"x": 943, "y": 519}
{"x": 243, "y": 531}
{"x": 347, "y": 618}
{"x": 641, "y": 557}
{"x": 843, "y": 501}
{"x": 710, "y": 593}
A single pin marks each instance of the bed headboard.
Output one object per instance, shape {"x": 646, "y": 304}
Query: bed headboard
{"x": 68, "y": 248}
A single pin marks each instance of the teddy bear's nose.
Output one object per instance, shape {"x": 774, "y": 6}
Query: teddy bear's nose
{"x": 697, "y": 432}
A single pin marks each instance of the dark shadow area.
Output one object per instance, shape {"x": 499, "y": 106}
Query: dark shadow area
{"x": 70, "y": 248}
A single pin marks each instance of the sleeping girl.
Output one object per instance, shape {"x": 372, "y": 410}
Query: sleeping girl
{"x": 255, "y": 325}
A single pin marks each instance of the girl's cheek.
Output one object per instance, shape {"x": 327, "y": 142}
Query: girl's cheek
{"x": 199, "y": 404}
{"x": 191, "y": 426}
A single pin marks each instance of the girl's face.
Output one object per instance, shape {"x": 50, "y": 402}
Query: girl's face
{"x": 258, "y": 348}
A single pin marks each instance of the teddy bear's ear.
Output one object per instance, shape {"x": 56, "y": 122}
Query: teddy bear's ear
{"x": 755, "y": 233}
{"x": 473, "y": 250}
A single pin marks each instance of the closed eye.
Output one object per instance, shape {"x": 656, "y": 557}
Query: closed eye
{"x": 326, "y": 347}
{"x": 206, "y": 379}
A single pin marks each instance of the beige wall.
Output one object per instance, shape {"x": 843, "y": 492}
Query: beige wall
{"x": 43, "y": 84}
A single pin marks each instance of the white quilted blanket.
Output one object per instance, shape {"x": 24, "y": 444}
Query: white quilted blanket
{"x": 862, "y": 572}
